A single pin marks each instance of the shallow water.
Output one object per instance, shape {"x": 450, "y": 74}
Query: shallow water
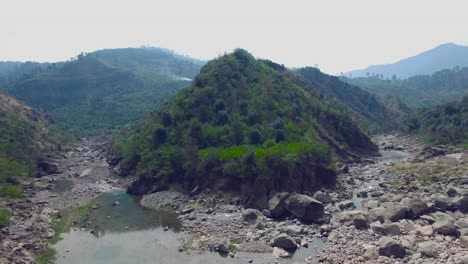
{"x": 127, "y": 233}
{"x": 387, "y": 158}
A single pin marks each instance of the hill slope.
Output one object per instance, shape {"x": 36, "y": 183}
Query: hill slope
{"x": 107, "y": 89}
{"x": 25, "y": 134}
{"x": 365, "y": 107}
{"x": 446, "y": 56}
{"x": 443, "y": 124}
{"x": 420, "y": 91}
{"x": 244, "y": 125}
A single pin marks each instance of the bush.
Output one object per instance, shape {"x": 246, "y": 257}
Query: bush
{"x": 10, "y": 191}
{"x": 5, "y": 217}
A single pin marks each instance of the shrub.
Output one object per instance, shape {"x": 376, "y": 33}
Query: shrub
{"x": 10, "y": 191}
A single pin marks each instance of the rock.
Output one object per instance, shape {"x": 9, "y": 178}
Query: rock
{"x": 391, "y": 248}
{"x": 464, "y": 241}
{"x": 285, "y": 242}
{"x": 385, "y": 229}
{"x": 345, "y": 204}
{"x": 280, "y": 253}
{"x": 428, "y": 249}
{"x": 424, "y": 230}
{"x": 371, "y": 204}
{"x": 416, "y": 207}
{"x": 254, "y": 247}
{"x": 277, "y": 204}
{"x": 451, "y": 192}
{"x": 47, "y": 167}
{"x": 304, "y": 207}
{"x": 461, "y": 203}
{"x": 392, "y": 213}
{"x": 323, "y": 197}
{"x": 370, "y": 252}
{"x": 441, "y": 203}
{"x": 188, "y": 210}
{"x": 115, "y": 203}
{"x": 254, "y": 217}
{"x": 463, "y": 232}
{"x": 223, "y": 246}
{"x": 360, "y": 219}
{"x": 292, "y": 230}
{"x": 445, "y": 225}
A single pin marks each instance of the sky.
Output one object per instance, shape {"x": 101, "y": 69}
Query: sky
{"x": 337, "y": 36}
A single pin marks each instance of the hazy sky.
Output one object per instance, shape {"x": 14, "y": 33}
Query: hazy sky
{"x": 336, "y": 35}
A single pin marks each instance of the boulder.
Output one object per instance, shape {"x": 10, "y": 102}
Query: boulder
{"x": 285, "y": 242}
{"x": 323, "y": 197}
{"x": 254, "y": 217}
{"x": 416, "y": 207}
{"x": 391, "y": 248}
{"x": 464, "y": 241}
{"x": 280, "y": 253}
{"x": 428, "y": 249}
{"x": 304, "y": 207}
{"x": 424, "y": 230}
{"x": 223, "y": 246}
{"x": 345, "y": 204}
{"x": 441, "y": 203}
{"x": 370, "y": 252}
{"x": 292, "y": 230}
{"x": 360, "y": 219}
{"x": 277, "y": 204}
{"x": 445, "y": 225}
{"x": 460, "y": 203}
{"x": 385, "y": 229}
{"x": 392, "y": 213}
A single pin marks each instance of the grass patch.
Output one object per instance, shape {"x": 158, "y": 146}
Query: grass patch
{"x": 47, "y": 256}
{"x": 5, "y": 217}
{"x": 431, "y": 171}
{"x": 10, "y": 191}
{"x": 63, "y": 224}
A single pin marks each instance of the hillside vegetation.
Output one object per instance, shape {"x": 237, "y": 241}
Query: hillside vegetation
{"x": 365, "y": 107}
{"x": 443, "y": 124}
{"x": 244, "y": 125}
{"x": 25, "y": 134}
{"x": 419, "y": 91}
{"x": 104, "y": 90}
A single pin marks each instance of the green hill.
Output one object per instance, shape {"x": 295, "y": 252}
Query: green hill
{"x": 419, "y": 91}
{"x": 25, "y": 135}
{"x": 366, "y": 108}
{"x": 442, "y": 124}
{"x": 244, "y": 125}
{"x": 105, "y": 90}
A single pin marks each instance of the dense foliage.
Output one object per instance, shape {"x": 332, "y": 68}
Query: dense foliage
{"x": 422, "y": 90}
{"x": 25, "y": 134}
{"x": 242, "y": 120}
{"x": 442, "y": 124}
{"x": 366, "y": 108}
{"x": 104, "y": 90}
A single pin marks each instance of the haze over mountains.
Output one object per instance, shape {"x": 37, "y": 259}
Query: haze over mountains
{"x": 446, "y": 56}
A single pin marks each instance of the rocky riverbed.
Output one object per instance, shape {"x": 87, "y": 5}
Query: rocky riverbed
{"x": 67, "y": 179}
{"x": 407, "y": 206}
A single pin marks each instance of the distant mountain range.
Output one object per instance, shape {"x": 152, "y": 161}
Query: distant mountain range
{"x": 446, "y": 56}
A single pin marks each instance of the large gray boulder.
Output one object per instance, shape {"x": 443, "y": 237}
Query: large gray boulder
{"x": 360, "y": 219}
{"x": 277, "y": 204}
{"x": 416, "y": 207}
{"x": 428, "y": 249}
{"x": 393, "y": 213}
{"x": 304, "y": 207}
{"x": 444, "y": 225}
{"x": 323, "y": 197}
{"x": 441, "y": 203}
{"x": 254, "y": 217}
{"x": 460, "y": 203}
{"x": 385, "y": 229}
{"x": 391, "y": 248}
{"x": 286, "y": 242}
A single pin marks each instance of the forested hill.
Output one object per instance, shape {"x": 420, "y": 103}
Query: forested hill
{"x": 242, "y": 123}
{"x": 105, "y": 90}
{"x": 366, "y": 108}
{"x": 443, "y": 124}
{"x": 25, "y": 134}
{"x": 419, "y": 91}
